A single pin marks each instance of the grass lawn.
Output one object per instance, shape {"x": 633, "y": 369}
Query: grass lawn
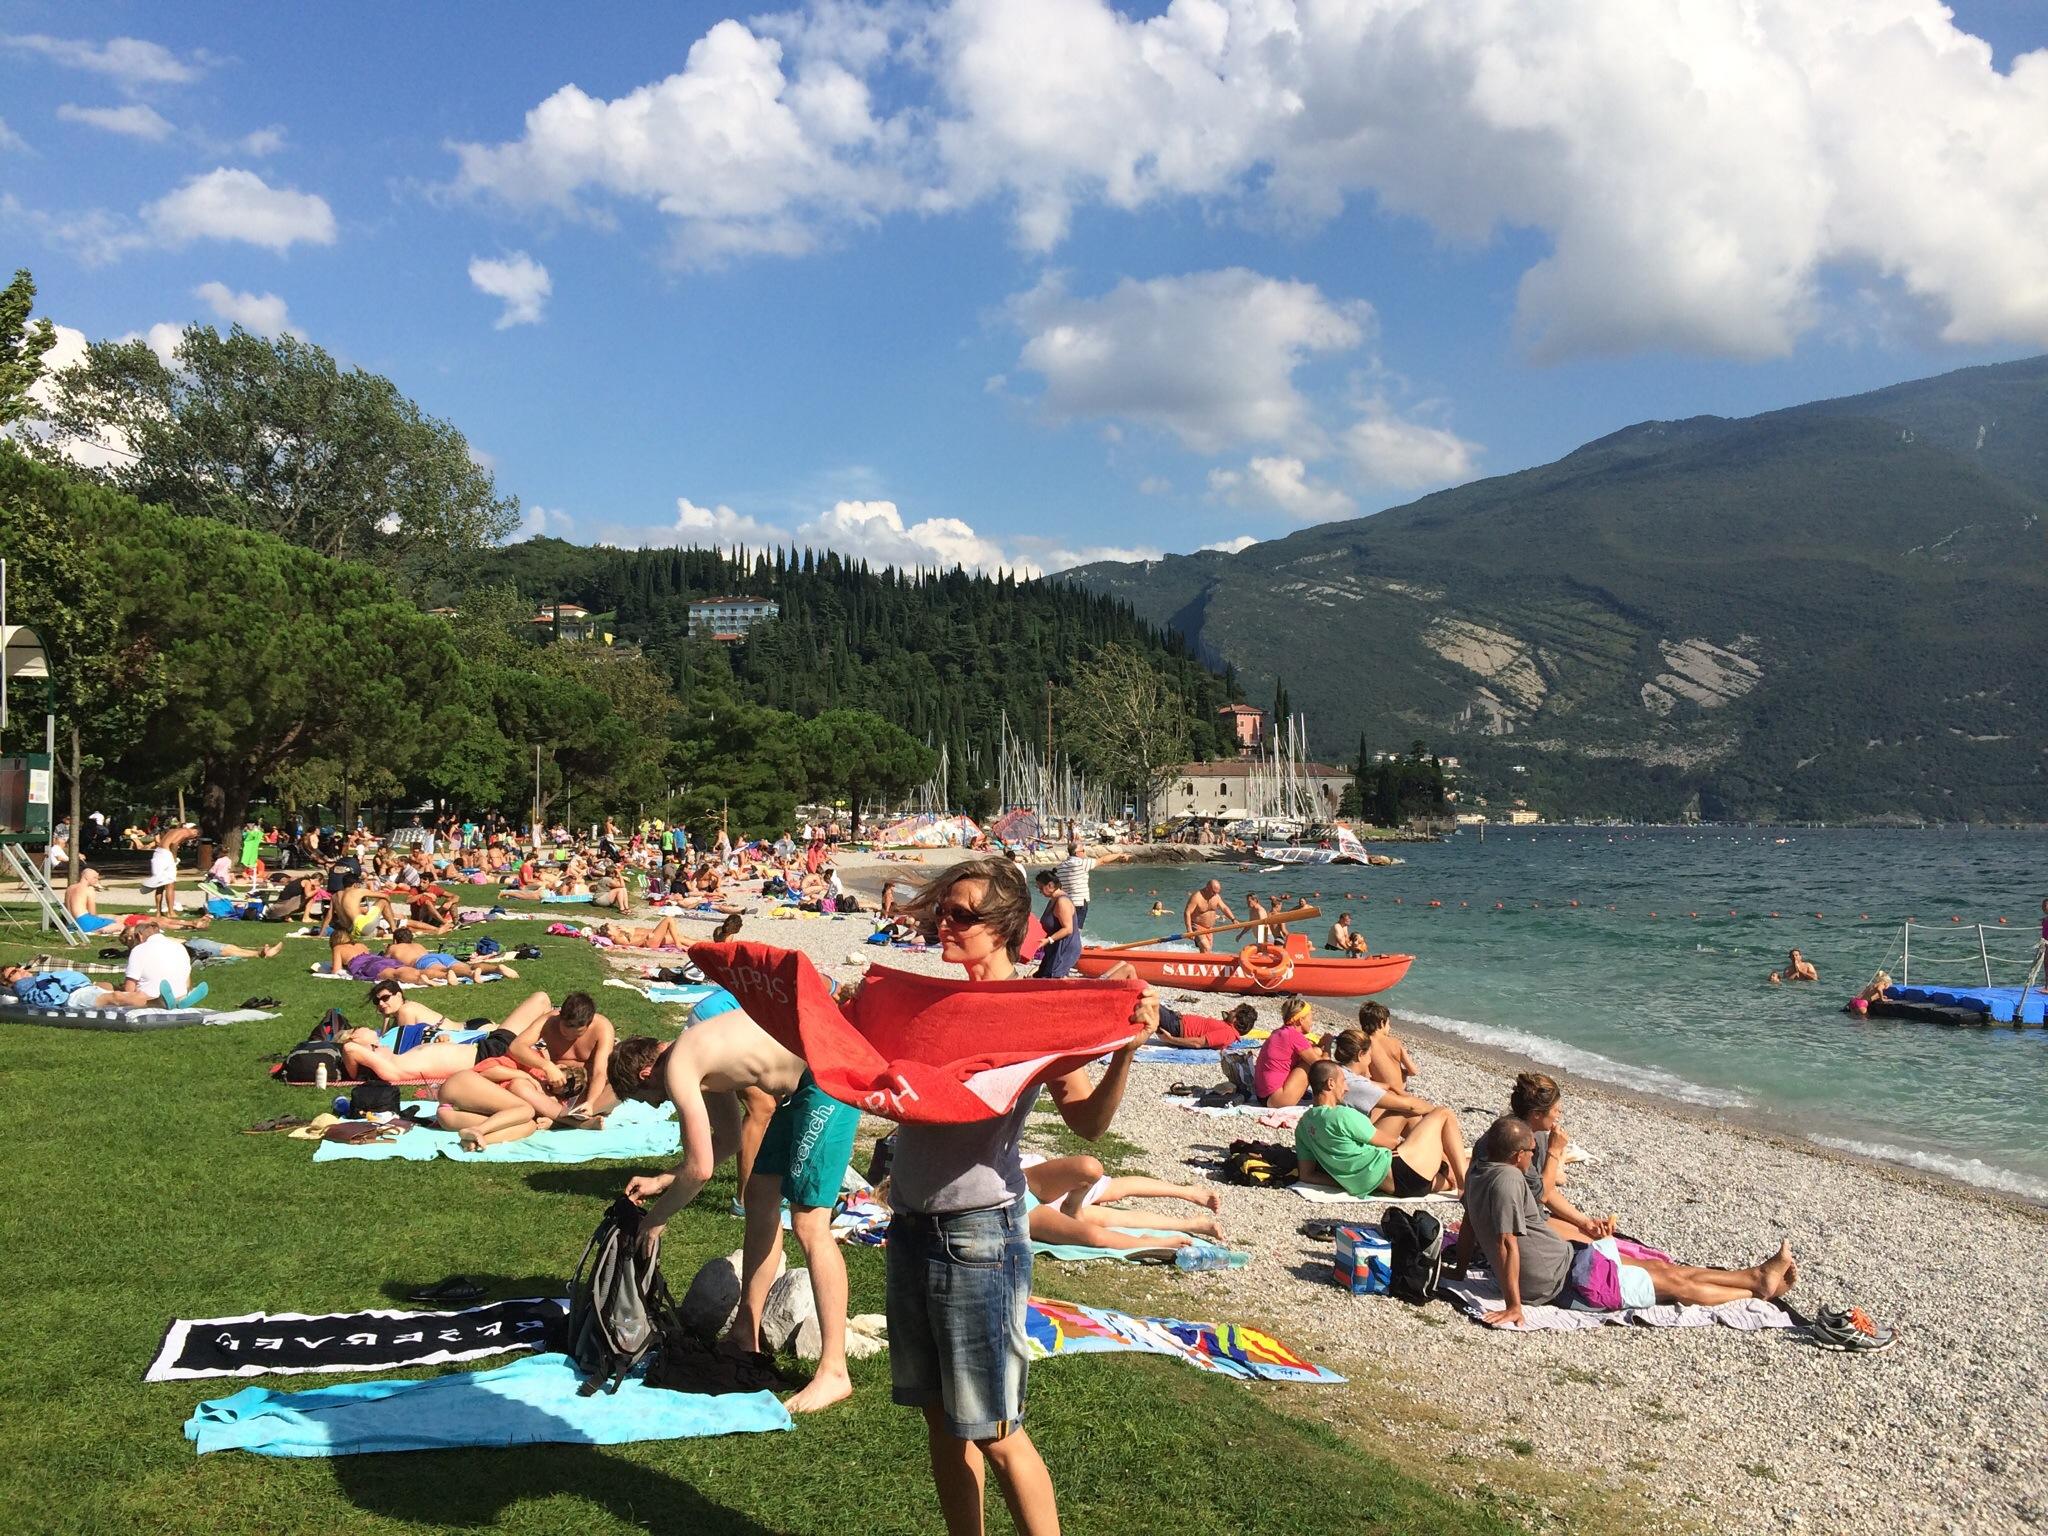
{"x": 129, "y": 1197}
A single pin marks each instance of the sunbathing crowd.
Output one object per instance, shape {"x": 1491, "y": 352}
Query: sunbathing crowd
{"x": 967, "y": 1203}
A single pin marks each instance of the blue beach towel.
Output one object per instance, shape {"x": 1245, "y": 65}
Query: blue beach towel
{"x": 633, "y": 1130}
{"x": 533, "y": 1401}
{"x": 1199, "y": 1254}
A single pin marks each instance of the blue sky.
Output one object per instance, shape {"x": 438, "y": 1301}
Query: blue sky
{"x": 1025, "y": 281}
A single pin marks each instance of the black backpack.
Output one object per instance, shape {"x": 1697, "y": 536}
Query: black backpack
{"x": 1415, "y": 1240}
{"x": 617, "y": 1302}
{"x": 1259, "y": 1164}
{"x": 303, "y": 1061}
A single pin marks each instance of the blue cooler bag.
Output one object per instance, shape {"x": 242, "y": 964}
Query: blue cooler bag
{"x": 1364, "y": 1261}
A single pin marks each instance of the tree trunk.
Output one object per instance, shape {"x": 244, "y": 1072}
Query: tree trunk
{"x": 223, "y": 806}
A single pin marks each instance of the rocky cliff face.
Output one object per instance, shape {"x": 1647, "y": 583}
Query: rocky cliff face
{"x": 1832, "y": 611}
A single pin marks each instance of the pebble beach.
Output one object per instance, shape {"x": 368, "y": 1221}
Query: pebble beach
{"x": 1946, "y": 1431}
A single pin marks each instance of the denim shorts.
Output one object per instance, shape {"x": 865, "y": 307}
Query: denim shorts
{"x": 959, "y": 1289}
{"x": 203, "y": 949}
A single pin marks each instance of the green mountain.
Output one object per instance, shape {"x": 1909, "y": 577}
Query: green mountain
{"x": 948, "y": 656}
{"x": 1834, "y": 612}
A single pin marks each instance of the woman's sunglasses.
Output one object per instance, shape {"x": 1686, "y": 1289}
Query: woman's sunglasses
{"x": 959, "y": 916}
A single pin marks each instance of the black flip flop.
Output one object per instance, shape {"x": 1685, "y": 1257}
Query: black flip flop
{"x": 1321, "y": 1229}
{"x": 261, "y": 1002}
{"x": 456, "y": 1289}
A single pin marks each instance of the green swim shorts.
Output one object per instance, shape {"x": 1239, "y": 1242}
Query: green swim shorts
{"x": 808, "y": 1144}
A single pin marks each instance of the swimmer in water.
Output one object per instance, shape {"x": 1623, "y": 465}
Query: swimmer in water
{"x": 1159, "y": 909}
{"x": 1797, "y": 968}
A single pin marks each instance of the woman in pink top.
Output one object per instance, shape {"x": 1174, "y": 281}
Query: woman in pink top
{"x": 1280, "y": 1076}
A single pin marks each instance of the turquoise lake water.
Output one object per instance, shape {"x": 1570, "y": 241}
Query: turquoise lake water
{"x": 1677, "y": 1004}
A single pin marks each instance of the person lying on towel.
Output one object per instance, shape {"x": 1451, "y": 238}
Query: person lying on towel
{"x": 802, "y": 1158}
{"x": 485, "y": 1107}
{"x": 1070, "y": 1200}
{"x": 537, "y": 1040}
{"x": 70, "y": 989}
{"x": 1339, "y": 1145}
{"x": 1193, "y": 1032}
{"x": 1535, "y": 1267}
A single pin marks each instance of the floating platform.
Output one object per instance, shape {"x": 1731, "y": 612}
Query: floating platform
{"x": 1973, "y": 1006}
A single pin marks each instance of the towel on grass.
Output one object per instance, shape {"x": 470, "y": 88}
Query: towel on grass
{"x": 632, "y": 1130}
{"x": 534, "y": 1401}
{"x": 689, "y": 994}
{"x": 918, "y": 1048}
{"x": 453, "y": 981}
{"x": 1067, "y": 1328}
{"x": 300, "y": 1343}
{"x": 1476, "y": 1295}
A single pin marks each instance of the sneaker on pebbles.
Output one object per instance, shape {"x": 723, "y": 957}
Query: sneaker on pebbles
{"x": 1850, "y": 1330}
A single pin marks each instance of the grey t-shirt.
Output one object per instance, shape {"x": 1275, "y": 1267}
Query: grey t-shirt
{"x": 943, "y": 1169}
{"x": 1497, "y": 1201}
{"x": 1535, "y": 1173}
{"x": 1361, "y": 1092}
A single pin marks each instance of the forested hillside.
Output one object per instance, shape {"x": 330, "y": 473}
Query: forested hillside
{"x": 945, "y": 656}
{"x": 1828, "y": 613}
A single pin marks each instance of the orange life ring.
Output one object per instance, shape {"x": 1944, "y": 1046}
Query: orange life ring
{"x": 1268, "y": 965}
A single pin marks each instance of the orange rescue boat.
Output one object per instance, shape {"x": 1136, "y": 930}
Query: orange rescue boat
{"x": 1255, "y": 970}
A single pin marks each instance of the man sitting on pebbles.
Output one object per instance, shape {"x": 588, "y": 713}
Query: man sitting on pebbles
{"x": 1536, "y": 1267}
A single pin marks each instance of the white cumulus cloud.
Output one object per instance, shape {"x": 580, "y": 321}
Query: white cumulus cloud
{"x": 520, "y": 281}
{"x": 259, "y": 142}
{"x": 226, "y": 204}
{"x": 134, "y": 121}
{"x": 264, "y": 313}
{"x": 132, "y": 63}
{"x": 1209, "y": 357}
{"x": 69, "y": 352}
{"x": 536, "y": 520}
{"x": 10, "y": 141}
{"x": 875, "y": 530}
{"x": 718, "y": 527}
{"x": 1234, "y": 546}
{"x": 1404, "y": 454}
{"x": 1281, "y": 484}
{"x": 743, "y": 156}
{"x": 1691, "y": 173}
{"x": 1694, "y": 168}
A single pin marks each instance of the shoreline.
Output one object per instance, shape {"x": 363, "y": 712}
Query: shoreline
{"x": 864, "y": 873}
{"x": 1708, "y": 1426}
{"x": 1754, "y": 1121}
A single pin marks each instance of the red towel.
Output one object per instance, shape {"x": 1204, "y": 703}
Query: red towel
{"x": 920, "y": 1048}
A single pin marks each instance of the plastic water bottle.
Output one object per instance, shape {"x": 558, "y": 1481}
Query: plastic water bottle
{"x": 320, "y": 1076}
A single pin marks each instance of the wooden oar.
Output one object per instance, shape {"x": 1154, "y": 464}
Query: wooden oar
{"x": 1271, "y": 920}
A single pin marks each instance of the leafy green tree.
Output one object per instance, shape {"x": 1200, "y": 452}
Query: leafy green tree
{"x": 1125, "y": 722}
{"x": 739, "y": 765}
{"x": 22, "y": 346}
{"x": 270, "y": 657}
{"x": 625, "y": 763}
{"x": 273, "y": 435}
{"x": 105, "y": 683}
{"x": 858, "y": 754}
